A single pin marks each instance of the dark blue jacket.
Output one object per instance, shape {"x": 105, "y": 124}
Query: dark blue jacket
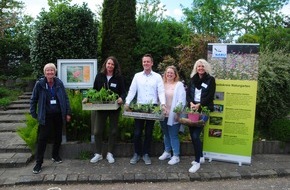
{"x": 38, "y": 100}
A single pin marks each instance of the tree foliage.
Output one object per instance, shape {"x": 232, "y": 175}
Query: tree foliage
{"x": 119, "y": 33}
{"x": 65, "y": 32}
{"x": 15, "y": 33}
{"x": 227, "y": 18}
{"x": 157, "y": 35}
{"x": 9, "y": 11}
{"x": 188, "y": 54}
{"x": 273, "y": 87}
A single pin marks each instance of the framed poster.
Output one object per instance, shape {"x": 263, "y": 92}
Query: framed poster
{"x": 77, "y": 73}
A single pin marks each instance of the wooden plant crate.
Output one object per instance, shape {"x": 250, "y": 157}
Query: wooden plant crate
{"x": 101, "y": 106}
{"x": 141, "y": 115}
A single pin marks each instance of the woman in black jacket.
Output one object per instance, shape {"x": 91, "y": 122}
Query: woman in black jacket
{"x": 110, "y": 78}
{"x": 200, "y": 93}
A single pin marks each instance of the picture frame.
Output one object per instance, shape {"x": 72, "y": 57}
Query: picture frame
{"x": 77, "y": 73}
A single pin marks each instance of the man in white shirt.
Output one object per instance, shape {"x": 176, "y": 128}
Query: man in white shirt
{"x": 150, "y": 89}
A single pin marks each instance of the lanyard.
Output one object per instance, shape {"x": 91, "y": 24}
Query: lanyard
{"x": 51, "y": 90}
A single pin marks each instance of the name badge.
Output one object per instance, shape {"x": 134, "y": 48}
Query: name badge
{"x": 52, "y": 102}
{"x": 113, "y": 85}
{"x": 204, "y": 85}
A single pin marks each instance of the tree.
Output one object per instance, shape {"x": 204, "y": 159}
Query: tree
{"x": 65, "y": 32}
{"x": 157, "y": 35}
{"x": 259, "y": 15}
{"x": 228, "y": 18}
{"x": 15, "y": 31}
{"x": 210, "y": 17}
{"x": 119, "y": 33}
{"x": 9, "y": 11}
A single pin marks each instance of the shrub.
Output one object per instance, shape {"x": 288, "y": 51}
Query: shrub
{"x": 280, "y": 130}
{"x": 7, "y": 96}
{"x": 273, "y": 88}
{"x": 79, "y": 129}
{"x": 29, "y": 133}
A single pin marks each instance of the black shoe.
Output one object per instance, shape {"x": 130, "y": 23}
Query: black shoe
{"x": 37, "y": 169}
{"x": 56, "y": 159}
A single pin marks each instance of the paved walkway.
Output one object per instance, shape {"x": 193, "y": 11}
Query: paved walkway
{"x": 16, "y": 167}
{"x": 82, "y": 171}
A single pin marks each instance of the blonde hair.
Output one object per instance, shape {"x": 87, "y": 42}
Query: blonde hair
{"x": 49, "y": 65}
{"x": 207, "y": 67}
{"x": 175, "y": 72}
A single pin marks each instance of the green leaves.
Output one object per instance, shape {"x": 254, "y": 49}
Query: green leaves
{"x": 104, "y": 95}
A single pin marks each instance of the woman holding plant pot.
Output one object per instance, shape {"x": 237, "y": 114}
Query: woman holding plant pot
{"x": 110, "y": 78}
{"x": 200, "y": 93}
{"x": 175, "y": 96}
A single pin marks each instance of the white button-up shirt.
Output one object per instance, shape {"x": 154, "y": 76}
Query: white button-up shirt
{"x": 149, "y": 89}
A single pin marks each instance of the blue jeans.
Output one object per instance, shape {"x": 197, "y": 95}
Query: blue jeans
{"x": 195, "y": 138}
{"x": 138, "y": 130}
{"x": 170, "y": 137}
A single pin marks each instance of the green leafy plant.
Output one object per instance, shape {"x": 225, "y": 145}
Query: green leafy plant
{"x": 29, "y": 133}
{"x": 280, "y": 130}
{"x": 145, "y": 108}
{"x": 104, "y": 95}
{"x": 85, "y": 155}
{"x": 205, "y": 110}
{"x": 79, "y": 128}
{"x": 7, "y": 96}
{"x": 190, "y": 110}
{"x": 178, "y": 108}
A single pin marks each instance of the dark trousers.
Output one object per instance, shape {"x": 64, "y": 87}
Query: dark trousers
{"x": 52, "y": 130}
{"x": 195, "y": 139}
{"x": 138, "y": 131}
{"x": 102, "y": 116}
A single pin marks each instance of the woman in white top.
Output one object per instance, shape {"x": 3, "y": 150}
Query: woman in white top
{"x": 174, "y": 94}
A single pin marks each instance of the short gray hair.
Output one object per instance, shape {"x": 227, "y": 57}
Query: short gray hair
{"x": 49, "y": 65}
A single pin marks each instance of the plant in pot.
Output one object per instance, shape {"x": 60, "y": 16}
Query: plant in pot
{"x": 192, "y": 114}
{"x": 204, "y": 113}
{"x": 179, "y": 111}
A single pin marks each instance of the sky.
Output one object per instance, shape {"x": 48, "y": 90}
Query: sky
{"x": 33, "y": 7}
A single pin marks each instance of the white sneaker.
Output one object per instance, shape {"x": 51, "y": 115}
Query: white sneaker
{"x": 174, "y": 160}
{"x": 165, "y": 156}
{"x": 195, "y": 166}
{"x": 201, "y": 161}
{"x": 110, "y": 158}
{"x": 96, "y": 158}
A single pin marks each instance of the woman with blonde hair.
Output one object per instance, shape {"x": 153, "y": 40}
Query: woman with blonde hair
{"x": 175, "y": 95}
{"x": 200, "y": 92}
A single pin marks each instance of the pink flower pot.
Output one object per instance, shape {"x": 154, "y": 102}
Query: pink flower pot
{"x": 193, "y": 116}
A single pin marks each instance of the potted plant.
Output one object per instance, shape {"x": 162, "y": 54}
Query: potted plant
{"x": 192, "y": 114}
{"x": 204, "y": 113}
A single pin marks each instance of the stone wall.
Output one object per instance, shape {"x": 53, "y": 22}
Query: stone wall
{"x": 74, "y": 149}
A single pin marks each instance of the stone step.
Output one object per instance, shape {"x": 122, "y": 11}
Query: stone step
{"x": 18, "y": 106}
{"x": 11, "y": 142}
{"x": 25, "y": 96}
{"x": 14, "y": 112}
{"x": 10, "y": 127}
{"x": 21, "y": 101}
{"x": 14, "y": 160}
{"x": 12, "y": 118}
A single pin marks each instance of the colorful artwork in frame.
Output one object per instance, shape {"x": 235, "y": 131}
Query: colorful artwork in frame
{"x": 77, "y": 73}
